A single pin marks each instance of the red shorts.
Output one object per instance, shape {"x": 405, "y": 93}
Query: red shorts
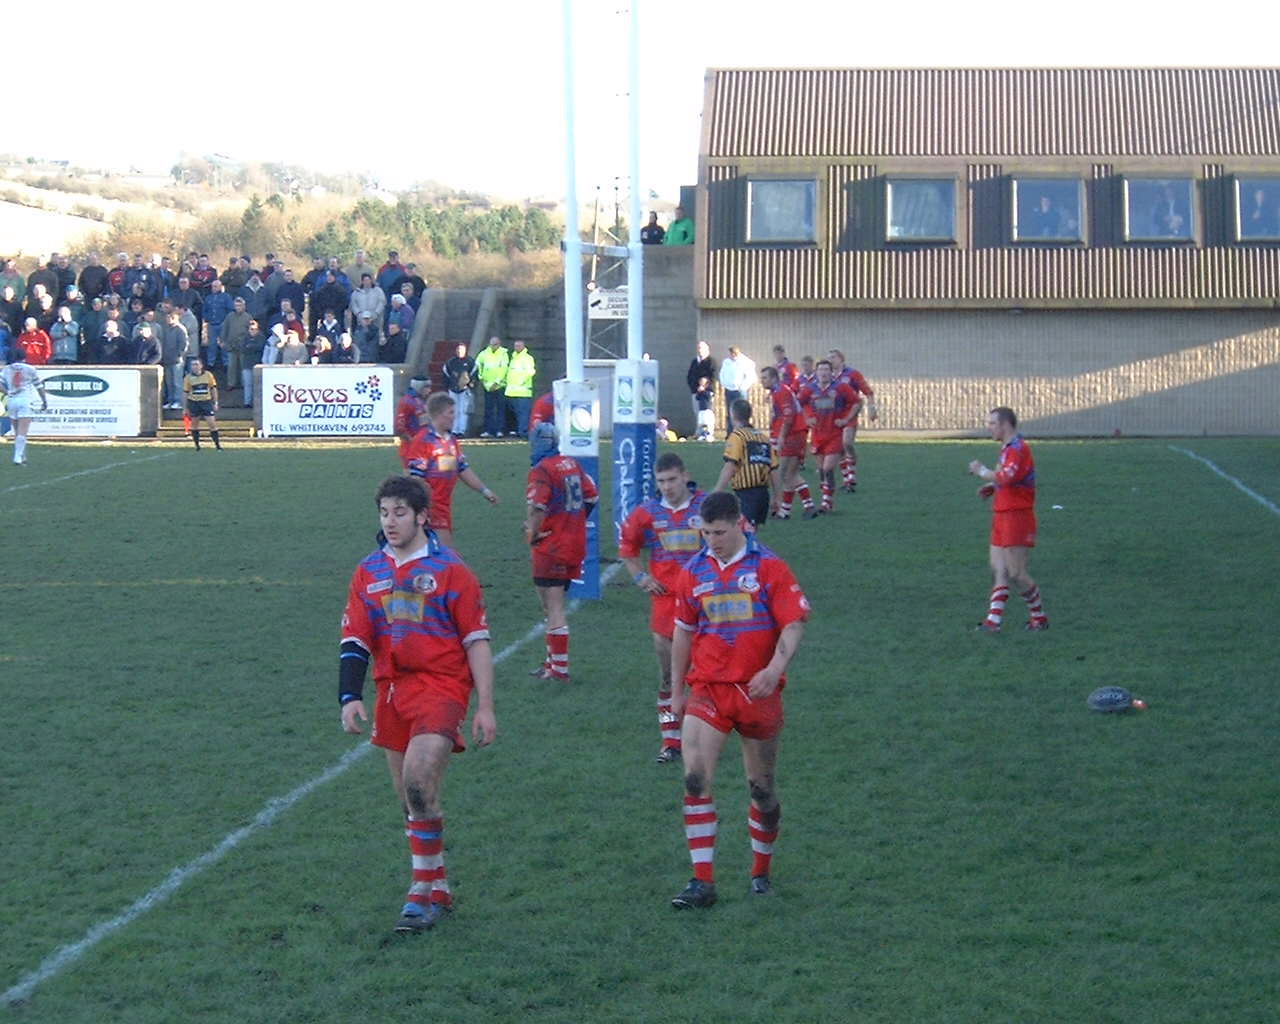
{"x": 827, "y": 444}
{"x": 662, "y": 616}
{"x": 726, "y": 706}
{"x": 1013, "y": 529}
{"x": 550, "y": 566}
{"x": 408, "y": 709}
{"x": 441, "y": 516}
{"x": 794, "y": 446}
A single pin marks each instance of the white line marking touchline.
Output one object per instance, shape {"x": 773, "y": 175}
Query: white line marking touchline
{"x": 1270, "y": 505}
{"x": 86, "y": 472}
{"x": 67, "y": 955}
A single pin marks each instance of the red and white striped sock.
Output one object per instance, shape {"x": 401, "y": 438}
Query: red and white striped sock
{"x": 846, "y": 469}
{"x": 668, "y": 724}
{"x": 426, "y": 847}
{"x": 762, "y": 839}
{"x": 805, "y": 497}
{"x": 1034, "y": 608}
{"x": 828, "y": 491}
{"x": 784, "y": 506}
{"x": 700, "y": 833}
{"x": 995, "y": 611}
{"x": 558, "y": 652}
{"x": 852, "y": 475}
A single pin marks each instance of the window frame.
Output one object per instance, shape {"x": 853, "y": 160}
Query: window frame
{"x": 815, "y": 201}
{"x": 1237, "y": 184}
{"x": 891, "y": 179}
{"x": 1193, "y": 226}
{"x": 1080, "y": 238}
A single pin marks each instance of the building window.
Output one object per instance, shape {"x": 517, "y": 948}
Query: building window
{"x": 1048, "y": 210}
{"x": 1159, "y": 209}
{"x": 782, "y": 211}
{"x": 1257, "y": 209}
{"x": 921, "y": 210}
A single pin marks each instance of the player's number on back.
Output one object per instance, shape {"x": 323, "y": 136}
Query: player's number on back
{"x": 573, "y": 493}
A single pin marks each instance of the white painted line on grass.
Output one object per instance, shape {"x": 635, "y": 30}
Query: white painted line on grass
{"x": 56, "y": 962}
{"x": 84, "y": 472}
{"x": 1264, "y": 502}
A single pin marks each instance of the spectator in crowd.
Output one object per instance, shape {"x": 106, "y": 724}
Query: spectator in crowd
{"x": 11, "y": 278}
{"x": 701, "y": 379}
{"x": 251, "y": 354}
{"x": 394, "y": 347}
{"x": 680, "y": 230}
{"x": 417, "y": 280}
{"x": 293, "y": 350}
{"x": 459, "y": 374}
{"x": 313, "y": 278}
{"x": 344, "y": 349}
{"x": 231, "y": 339}
{"x": 185, "y": 295}
{"x": 272, "y": 345}
{"x": 652, "y": 233}
{"x": 175, "y": 346}
{"x": 368, "y": 298}
{"x": 10, "y": 307}
{"x": 6, "y": 343}
{"x": 289, "y": 291}
{"x": 491, "y": 365}
{"x": 34, "y": 304}
{"x": 390, "y": 274}
{"x": 401, "y": 313}
{"x": 339, "y": 275}
{"x": 131, "y": 317}
{"x": 521, "y": 370}
{"x": 146, "y": 350}
{"x": 293, "y": 324}
{"x": 188, "y": 320}
{"x": 411, "y": 294}
{"x": 203, "y": 275}
{"x": 74, "y": 303}
{"x": 737, "y": 377}
{"x": 217, "y": 307}
{"x": 331, "y": 295}
{"x": 368, "y": 337}
{"x": 93, "y": 278}
{"x": 61, "y": 266}
{"x": 256, "y": 302}
{"x": 45, "y": 275}
{"x": 91, "y": 323}
{"x": 109, "y": 346}
{"x": 64, "y": 338}
{"x": 36, "y": 342}
{"x": 236, "y": 275}
{"x": 117, "y": 274}
{"x": 149, "y": 316}
{"x": 355, "y": 273}
{"x": 168, "y": 279}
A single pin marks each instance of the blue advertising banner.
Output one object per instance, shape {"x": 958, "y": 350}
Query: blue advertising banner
{"x": 578, "y": 424}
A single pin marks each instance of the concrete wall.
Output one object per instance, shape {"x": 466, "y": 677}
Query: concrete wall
{"x": 1065, "y": 372}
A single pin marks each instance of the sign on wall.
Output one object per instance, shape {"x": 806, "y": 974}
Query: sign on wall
{"x": 329, "y": 401}
{"x": 89, "y": 403}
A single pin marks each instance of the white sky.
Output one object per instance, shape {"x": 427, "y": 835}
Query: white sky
{"x": 471, "y": 93}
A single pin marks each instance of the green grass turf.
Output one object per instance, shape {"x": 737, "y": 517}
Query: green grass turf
{"x": 961, "y": 841}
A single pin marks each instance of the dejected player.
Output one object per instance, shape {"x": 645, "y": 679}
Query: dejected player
{"x": 418, "y": 612}
{"x": 829, "y": 405}
{"x": 667, "y": 528}
{"x": 560, "y": 496}
{"x": 1013, "y": 521}
{"x": 434, "y": 455}
{"x": 739, "y": 619}
{"x": 789, "y": 432}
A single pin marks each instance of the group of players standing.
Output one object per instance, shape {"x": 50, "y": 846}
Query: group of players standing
{"x": 727, "y": 614}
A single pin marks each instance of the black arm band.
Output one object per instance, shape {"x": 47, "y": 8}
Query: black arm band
{"x": 353, "y": 663}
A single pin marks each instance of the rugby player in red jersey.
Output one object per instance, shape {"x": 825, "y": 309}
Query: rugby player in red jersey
{"x": 739, "y": 619}
{"x": 543, "y": 411}
{"x": 855, "y": 380}
{"x": 789, "y": 431}
{"x": 1013, "y": 521}
{"x": 828, "y": 406}
{"x": 435, "y": 456}
{"x": 410, "y": 413}
{"x": 417, "y": 611}
{"x": 560, "y": 497}
{"x": 788, "y": 372}
{"x": 667, "y": 527}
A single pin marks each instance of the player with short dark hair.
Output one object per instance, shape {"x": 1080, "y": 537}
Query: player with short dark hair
{"x": 847, "y": 374}
{"x": 418, "y": 612}
{"x": 434, "y": 455}
{"x": 750, "y": 464}
{"x": 1013, "y": 520}
{"x": 200, "y": 390}
{"x": 829, "y": 405}
{"x": 667, "y": 527}
{"x": 560, "y": 496}
{"x": 739, "y": 619}
{"x": 788, "y": 431}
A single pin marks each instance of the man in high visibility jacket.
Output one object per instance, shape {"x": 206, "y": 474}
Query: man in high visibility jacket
{"x": 491, "y": 367}
{"x": 520, "y": 374}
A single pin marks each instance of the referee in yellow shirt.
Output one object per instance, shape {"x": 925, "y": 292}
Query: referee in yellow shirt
{"x": 750, "y": 464}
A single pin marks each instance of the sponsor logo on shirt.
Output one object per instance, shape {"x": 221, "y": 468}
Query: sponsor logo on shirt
{"x": 379, "y": 586}
{"x": 703, "y": 588}
{"x": 680, "y": 540}
{"x": 720, "y": 608}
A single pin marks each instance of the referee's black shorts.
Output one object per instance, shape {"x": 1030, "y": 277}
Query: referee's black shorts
{"x": 755, "y": 504}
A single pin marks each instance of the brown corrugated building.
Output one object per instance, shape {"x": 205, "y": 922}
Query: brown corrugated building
{"x": 1099, "y": 248}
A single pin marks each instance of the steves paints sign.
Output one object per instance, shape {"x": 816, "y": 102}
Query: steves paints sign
{"x": 327, "y": 401}
{"x": 89, "y": 403}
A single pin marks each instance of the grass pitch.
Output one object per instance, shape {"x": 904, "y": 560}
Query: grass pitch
{"x": 961, "y": 839}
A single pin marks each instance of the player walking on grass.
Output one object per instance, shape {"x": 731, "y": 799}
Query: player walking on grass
{"x": 739, "y": 619}
{"x": 21, "y": 385}
{"x": 667, "y": 528}
{"x": 829, "y": 406}
{"x": 848, "y": 375}
{"x": 1013, "y": 521}
{"x": 788, "y": 430}
{"x": 750, "y": 465}
{"x": 418, "y": 612}
{"x": 560, "y": 497}
{"x": 435, "y": 456}
{"x": 200, "y": 389}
